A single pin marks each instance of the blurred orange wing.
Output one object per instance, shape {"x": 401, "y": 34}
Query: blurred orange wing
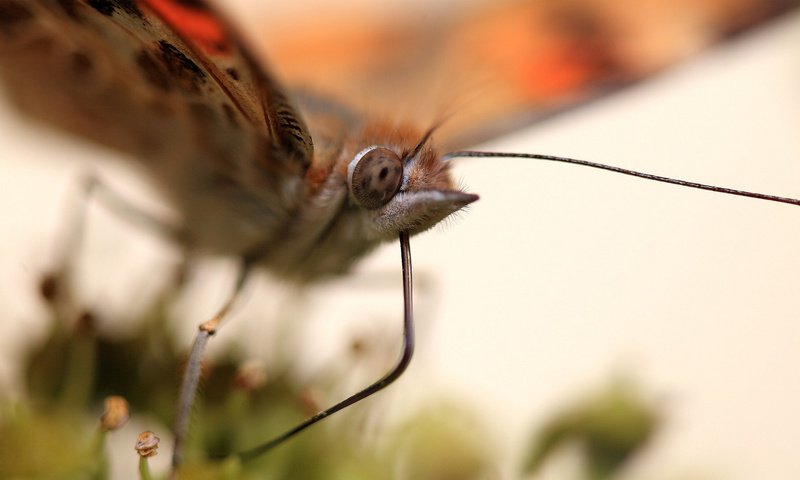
{"x": 498, "y": 65}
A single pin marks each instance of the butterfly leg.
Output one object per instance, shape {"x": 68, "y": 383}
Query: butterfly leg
{"x": 92, "y": 187}
{"x": 380, "y": 384}
{"x": 191, "y": 375}
{"x": 54, "y": 284}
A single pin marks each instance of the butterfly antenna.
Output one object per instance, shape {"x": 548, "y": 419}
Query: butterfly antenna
{"x": 421, "y": 144}
{"x": 383, "y": 382}
{"x": 624, "y": 171}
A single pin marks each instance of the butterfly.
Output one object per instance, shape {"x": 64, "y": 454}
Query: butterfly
{"x": 196, "y": 101}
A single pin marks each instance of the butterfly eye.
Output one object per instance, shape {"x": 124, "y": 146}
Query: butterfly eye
{"x": 375, "y": 175}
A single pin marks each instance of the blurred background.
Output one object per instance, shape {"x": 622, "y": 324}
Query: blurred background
{"x": 558, "y": 283}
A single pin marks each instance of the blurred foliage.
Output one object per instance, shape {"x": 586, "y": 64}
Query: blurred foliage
{"x": 54, "y": 430}
{"x": 41, "y": 445}
{"x": 609, "y": 427}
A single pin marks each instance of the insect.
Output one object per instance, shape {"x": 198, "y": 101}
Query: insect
{"x": 181, "y": 65}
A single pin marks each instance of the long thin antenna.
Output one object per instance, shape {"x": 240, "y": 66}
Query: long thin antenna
{"x": 418, "y": 147}
{"x": 385, "y": 381}
{"x": 624, "y": 171}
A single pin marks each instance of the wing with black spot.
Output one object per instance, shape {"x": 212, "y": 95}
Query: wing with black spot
{"x": 170, "y": 83}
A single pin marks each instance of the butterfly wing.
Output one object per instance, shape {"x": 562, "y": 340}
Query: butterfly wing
{"x": 493, "y": 66}
{"x": 168, "y": 82}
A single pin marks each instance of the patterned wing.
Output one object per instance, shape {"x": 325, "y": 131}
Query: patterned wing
{"x": 168, "y": 82}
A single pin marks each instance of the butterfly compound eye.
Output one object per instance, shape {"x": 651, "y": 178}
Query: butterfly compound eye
{"x": 375, "y": 175}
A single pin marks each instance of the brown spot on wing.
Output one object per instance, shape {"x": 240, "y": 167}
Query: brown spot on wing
{"x": 181, "y": 68}
{"x": 153, "y": 71}
{"x": 13, "y": 15}
{"x": 81, "y": 63}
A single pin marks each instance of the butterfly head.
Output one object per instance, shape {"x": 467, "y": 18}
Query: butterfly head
{"x": 403, "y": 188}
